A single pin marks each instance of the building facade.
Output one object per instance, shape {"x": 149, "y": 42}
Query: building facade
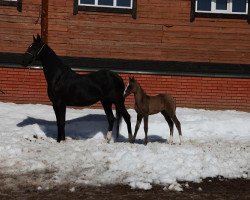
{"x": 196, "y": 50}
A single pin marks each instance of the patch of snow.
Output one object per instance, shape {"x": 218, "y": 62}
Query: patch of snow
{"x": 175, "y": 187}
{"x": 216, "y": 143}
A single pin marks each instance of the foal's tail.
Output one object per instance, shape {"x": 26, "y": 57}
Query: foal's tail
{"x": 118, "y": 121}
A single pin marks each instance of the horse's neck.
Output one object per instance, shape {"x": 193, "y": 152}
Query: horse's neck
{"x": 52, "y": 65}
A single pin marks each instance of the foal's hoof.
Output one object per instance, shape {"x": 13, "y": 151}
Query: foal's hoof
{"x": 131, "y": 140}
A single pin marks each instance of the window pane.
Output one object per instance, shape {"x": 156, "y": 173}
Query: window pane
{"x": 204, "y": 5}
{"x": 239, "y": 5}
{"x": 124, "y": 3}
{"x": 105, "y": 2}
{"x": 221, "y": 4}
{"x": 87, "y": 2}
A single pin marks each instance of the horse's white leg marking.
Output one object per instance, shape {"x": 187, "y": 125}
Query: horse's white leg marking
{"x": 109, "y": 136}
{"x": 171, "y": 139}
{"x": 125, "y": 89}
{"x": 181, "y": 141}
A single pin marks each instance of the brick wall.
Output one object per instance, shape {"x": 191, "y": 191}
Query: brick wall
{"x": 162, "y": 31}
{"x": 29, "y": 86}
{"x": 17, "y": 28}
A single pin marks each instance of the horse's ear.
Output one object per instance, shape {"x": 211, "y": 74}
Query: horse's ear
{"x": 34, "y": 39}
{"x": 38, "y": 38}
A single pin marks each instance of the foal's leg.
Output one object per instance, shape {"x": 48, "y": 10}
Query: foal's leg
{"x": 137, "y": 126}
{"x": 170, "y": 124}
{"x": 60, "y": 111}
{"x": 146, "y": 129}
{"x": 110, "y": 116}
{"x": 178, "y": 126}
{"x": 121, "y": 107}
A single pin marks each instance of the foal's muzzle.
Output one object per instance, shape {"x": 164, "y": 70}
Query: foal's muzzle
{"x": 125, "y": 94}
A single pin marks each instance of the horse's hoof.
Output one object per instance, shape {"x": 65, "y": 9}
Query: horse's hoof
{"x": 109, "y": 136}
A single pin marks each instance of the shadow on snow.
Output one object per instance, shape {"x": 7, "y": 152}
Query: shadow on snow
{"x": 79, "y": 128}
{"x": 82, "y": 128}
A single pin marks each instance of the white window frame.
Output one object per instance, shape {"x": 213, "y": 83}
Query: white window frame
{"x": 228, "y": 11}
{"x": 106, "y": 6}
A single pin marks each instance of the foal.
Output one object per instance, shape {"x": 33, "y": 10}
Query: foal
{"x": 147, "y": 105}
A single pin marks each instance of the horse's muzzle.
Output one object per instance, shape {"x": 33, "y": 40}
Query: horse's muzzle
{"x": 27, "y": 60}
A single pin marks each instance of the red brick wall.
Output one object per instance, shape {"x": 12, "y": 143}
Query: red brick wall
{"x": 29, "y": 86}
{"x": 17, "y": 28}
{"x": 162, "y": 31}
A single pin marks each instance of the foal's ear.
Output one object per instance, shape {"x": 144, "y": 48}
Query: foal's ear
{"x": 34, "y": 39}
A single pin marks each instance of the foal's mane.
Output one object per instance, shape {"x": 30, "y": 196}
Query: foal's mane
{"x": 140, "y": 88}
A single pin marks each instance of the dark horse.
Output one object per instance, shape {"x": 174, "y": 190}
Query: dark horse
{"x": 67, "y": 88}
{"x": 147, "y": 105}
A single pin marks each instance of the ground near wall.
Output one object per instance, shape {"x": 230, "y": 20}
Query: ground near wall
{"x": 27, "y": 187}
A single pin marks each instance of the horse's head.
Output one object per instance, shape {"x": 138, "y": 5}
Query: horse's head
{"x": 131, "y": 87}
{"x": 33, "y": 52}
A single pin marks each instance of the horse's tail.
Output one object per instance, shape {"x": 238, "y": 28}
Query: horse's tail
{"x": 118, "y": 121}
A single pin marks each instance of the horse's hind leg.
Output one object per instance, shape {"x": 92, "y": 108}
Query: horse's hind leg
{"x": 118, "y": 120}
{"x": 178, "y": 126}
{"x": 60, "y": 111}
{"x": 137, "y": 126}
{"x": 126, "y": 116}
{"x": 171, "y": 125}
{"x": 110, "y": 116}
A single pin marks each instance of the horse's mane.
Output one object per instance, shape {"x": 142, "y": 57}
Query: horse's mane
{"x": 58, "y": 60}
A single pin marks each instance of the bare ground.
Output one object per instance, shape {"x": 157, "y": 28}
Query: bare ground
{"x": 27, "y": 187}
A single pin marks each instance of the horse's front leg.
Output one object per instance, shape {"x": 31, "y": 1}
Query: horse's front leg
{"x": 60, "y": 111}
{"x": 137, "y": 126}
{"x": 146, "y": 129}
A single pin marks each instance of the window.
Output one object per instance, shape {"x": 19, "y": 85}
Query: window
{"x": 125, "y": 4}
{"x": 113, "y": 6}
{"x": 222, "y": 6}
{"x": 231, "y": 9}
{"x": 16, "y": 3}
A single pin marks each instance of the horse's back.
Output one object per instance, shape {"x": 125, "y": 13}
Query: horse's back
{"x": 109, "y": 82}
{"x": 168, "y": 101}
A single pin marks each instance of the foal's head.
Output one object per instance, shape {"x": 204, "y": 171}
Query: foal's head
{"x": 132, "y": 87}
{"x": 34, "y": 51}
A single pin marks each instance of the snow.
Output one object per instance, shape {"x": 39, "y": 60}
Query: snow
{"x": 216, "y": 143}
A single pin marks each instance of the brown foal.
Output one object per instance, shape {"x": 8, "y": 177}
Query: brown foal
{"x": 146, "y": 105}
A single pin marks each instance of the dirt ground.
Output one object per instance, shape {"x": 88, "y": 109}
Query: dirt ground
{"x": 12, "y": 187}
